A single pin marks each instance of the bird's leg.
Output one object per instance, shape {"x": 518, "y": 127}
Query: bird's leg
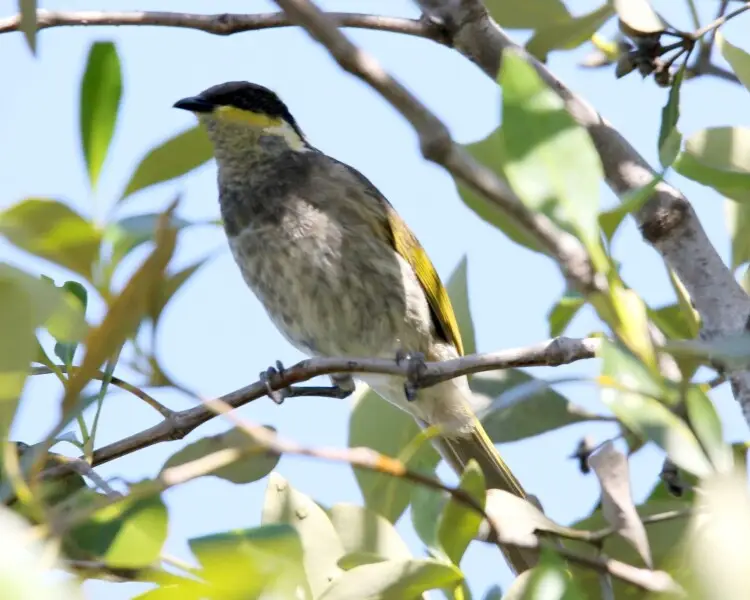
{"x": 415, "y": 368}
{"x": 343, "y": 386}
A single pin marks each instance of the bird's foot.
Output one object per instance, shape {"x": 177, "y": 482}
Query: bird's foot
{"x": 270, "y": 378}
{"x": 343, "y": 386}
{"x": 415, "y": 368}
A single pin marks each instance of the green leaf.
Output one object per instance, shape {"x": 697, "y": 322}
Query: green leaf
{"x": 175, "y": 157}
{"x": 549, "y": 580}
{"x": 738, "y": 223}
{"x": 647, "y": 417}
{"x": 129, "y": 534}
{"x": 671, "y": 321}
{"x": 101, "y": 89}
{"x": 251, "y": 467}
{"x": 392, "y": 579}
{"x": 706, "y": 425}
{"x": 379, "y": 425}
{"x": 562, "y": 313}
{"x": 670, "y": 138}
{"x": 569, "y": 33}
{"x": 718, "y": 157}
{"x": 321, "y": 545}
{"x": 65, "y": 351}
{"x": 529, "y": 14}
{"x": 551, "y": 160}
{"x": 28, "y": 23}
{"x": 737, "y": 58}
{"x": 426, "y": 507}
{"x": 363, "y": 531}
{"x": 458, "y": 524}
{"x": 491, "y": 152}
{"x": 458, "y": 291}
{"x": 545, "y": 410}
{"x": 26, "y": 564}
{"x": 52, "y": 230}
{"x": 631, "y": 202}
{"x": 130, "y": 232}
{"x": 27, "y": 303}
{"x": 264, "y": 559}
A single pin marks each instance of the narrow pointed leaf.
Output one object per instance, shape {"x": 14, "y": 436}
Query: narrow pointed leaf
{"x": 28, "y": 24}
{"x": 670, "y": 138}
{"x": 569, "y": 33}
{"x": 458, "y": 291}
{"x": 458, "y": 524}
{"x": 737, "y": 58}
{"x": 530, "y": 14}
{"x": 101, "y": 89}
{"x": 175, "y": 157}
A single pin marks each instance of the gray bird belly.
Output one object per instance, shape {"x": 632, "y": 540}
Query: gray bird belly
{"x": 334, "y": 296}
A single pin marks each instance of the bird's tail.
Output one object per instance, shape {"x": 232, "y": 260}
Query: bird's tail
{"x": 476, "y": 444}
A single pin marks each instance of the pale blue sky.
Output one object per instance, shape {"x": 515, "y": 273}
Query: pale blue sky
{"x": 215, "y": 337}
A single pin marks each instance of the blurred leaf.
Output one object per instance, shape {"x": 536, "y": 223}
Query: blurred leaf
{"x": 562, "y": 313}
{"x": 518, "y": 519}
{"x": 631, "y": 202}
{"x": 426, "y": 507}
{"x": 175, "y": 157}
{"x": 65, "y": 351}
{"x": 529, "y": 14}
{"x": 251, "y": 467}
{"x": 733, "y": 350}
{"x": 27, "y": 303}
{"x": 640, "y": 412}
{"x": 458, "y": 524}
{"x": 392, "y": 579}
{"x": 547, "y": 581}
{"x": 129, "y": 534}
{"x": 321, "y": 545}
{"x": 718, "y": 157}
{"x": 169, "y": 286}
{"x": 551, "y": 160}
{"x": 491, "y": 153}
{"x": 637, "y": 18}
{"x": 130, "y": 232}
{"x": 630, "y": 322}
{"x": 245, "y": 563}
{"x": 357, "y": 559}
{"x": 670, "y": 138}
{"x": 545, "y": 410}
{"x": 377, "y": 424}
{"x": 26, "y": 564}
{"x": 495, "y": 593}
{"x": 458, "y": 291}
{"x": 718, "y": 531}
{"x": 52, "y": 230}
{"x": 28, "y": 23}
{"x": 101, "y": 89}
{"x": 738, "y": 223}
{"x": 568, "y": 33}
{"x": 689, "y": 314}
{"x": 363, "y": 531}
{"x": 706, "y": 425}
{"x": 123, "y": 315}
{"x": 671, "y": 321}
{"x": 737, "y": 58}
{"x": 611, "y": 469}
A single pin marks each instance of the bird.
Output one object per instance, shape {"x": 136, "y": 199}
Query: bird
{"x": 337, "y": 269}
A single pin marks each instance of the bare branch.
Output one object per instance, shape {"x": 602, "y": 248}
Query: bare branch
{"x": 218, "y": 24}
{"x": 553, "y": 352}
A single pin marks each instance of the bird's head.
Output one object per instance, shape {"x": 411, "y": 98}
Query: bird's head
{"x": 244, "y": 112}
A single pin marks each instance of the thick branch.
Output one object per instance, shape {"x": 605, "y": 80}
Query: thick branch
{"x": 667, "y": 221}
{"x": 218, "y": 24}
{"x": 553, "y": 352}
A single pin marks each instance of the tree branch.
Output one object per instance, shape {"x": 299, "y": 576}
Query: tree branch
{"x": 219, "y": 24}
{"x": 667, "y": 221}
{"x": 178, "y": 424}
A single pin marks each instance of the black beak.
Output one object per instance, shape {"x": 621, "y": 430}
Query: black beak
{"x": 195, "y": 104}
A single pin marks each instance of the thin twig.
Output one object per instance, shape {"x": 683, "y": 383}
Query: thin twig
{"x": 117, "y": 382}
{"x": 219, "y": 24}
{"x": 718, "y": 22}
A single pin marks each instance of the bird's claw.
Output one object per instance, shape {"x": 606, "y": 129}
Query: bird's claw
{"x": 270, "y": 378}
{"x": 415, "y": 368}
